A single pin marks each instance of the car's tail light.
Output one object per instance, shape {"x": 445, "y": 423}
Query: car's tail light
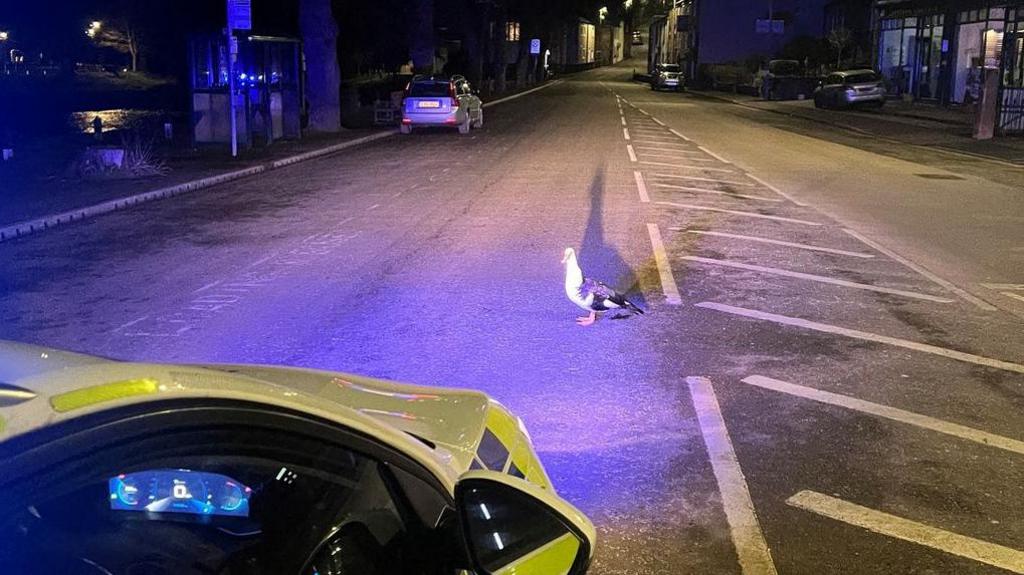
{"x": 453, "y": 96}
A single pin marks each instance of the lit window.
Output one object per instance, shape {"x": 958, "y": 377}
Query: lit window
{"x": 512, "y": 31}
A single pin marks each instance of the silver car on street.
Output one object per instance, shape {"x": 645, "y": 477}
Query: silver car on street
{"x": 849, "y": 88}
{"x": 435, "y": 101}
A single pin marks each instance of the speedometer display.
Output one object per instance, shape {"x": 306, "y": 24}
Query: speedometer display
{"x": 179, "y": 491}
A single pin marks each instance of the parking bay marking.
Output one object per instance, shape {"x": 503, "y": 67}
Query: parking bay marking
{"x": 1012, "y": 287}
{"x": 1010, "y": 294}
{"x": 978, "y": 302}
{"x": 907, "y": 530}
{"x": 716, "y": 192}
{"x": 673, "y": 149}
{"x": 751, "y": 547}
{"x": 738, "y": 213}
{"x": 865, "y": 336}
{"x": 684, "y": 166}
{"x": 674, "y": 156}
{"x": 668, "y": 281}
{"x": 776, "y": 243}
{"x": 887, "y": 412}
{"x": 816, "y": 278}
{"x": 699, "y": 179}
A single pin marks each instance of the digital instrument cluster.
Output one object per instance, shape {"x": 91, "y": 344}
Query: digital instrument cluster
{"x": 179, "y": 491}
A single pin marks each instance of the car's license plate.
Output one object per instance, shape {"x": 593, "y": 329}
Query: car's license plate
{"x": 428, "y": 104}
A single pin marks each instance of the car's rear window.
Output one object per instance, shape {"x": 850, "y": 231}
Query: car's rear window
{"x": 673, "y": 68}
{"x": 863, "y": 78}
{"x": 429, "y": 90}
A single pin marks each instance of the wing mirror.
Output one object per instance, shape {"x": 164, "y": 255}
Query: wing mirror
{"x": 513, "y": 527}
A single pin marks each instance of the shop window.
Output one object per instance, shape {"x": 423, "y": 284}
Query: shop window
{"x": 512, "y": 31}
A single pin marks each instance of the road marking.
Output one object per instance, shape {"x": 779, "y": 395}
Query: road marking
{"x": 675, "y": 150}
{"x": 866, "y": 336}
{"x": 210, "y": 285}
{"x": 641, "y": 187}
{"x": 751, "y": 547}
{"x": 1010, "y": 294}
{"x": 623, "y": 118}
{"x": 658, "y": 139}
{"x": 373, "y": 207}
{"x": 680, "y": 177}
{"x": 668, "y": 281}
{"x": 678, "y": 133}
{"x": 1016, "y": 287}
{"x": 736, "y": 213}
{"x": 816, "y": 278}
{"x": 625, "y": 132}
{"x": 129, "y": 324}
{"x": 777, "y": 191}
{"x": 716, "y": 192}
{"x": 978, "y": 302}
{"x": 907, "y": 530}
{"x": 644, "y": 112}
{"x": 657, "y": 121}
{"x": 676, "y": 156}
{"x": 884, "y": 411}
{"x": 632, "y": 154}
{"x": 689, "y": 167}
{"x": 713, "y": 155}
{"x": 777, "y": 243}
{"x": 521, "y": 94}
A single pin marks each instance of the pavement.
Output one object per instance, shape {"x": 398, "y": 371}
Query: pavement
{"x": 827, "y": 380}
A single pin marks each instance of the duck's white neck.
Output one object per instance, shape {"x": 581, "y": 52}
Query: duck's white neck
{"x": 573, "y": 274}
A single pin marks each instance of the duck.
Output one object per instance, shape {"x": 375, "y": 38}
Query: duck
{"x": 590, "y": 294}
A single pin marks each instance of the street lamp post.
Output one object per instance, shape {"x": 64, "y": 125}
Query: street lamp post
{"x": 4, "y": 36}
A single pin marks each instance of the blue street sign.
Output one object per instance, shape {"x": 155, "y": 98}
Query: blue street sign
{"x": 535, "y": 46}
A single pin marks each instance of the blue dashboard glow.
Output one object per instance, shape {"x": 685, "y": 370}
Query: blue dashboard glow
{"x": 179, "y": 491}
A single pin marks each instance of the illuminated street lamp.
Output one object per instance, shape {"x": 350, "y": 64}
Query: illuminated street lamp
{"x": 4, "y": 36}
{"x": 603, "y": 13}
{"x": 93, "y": 29}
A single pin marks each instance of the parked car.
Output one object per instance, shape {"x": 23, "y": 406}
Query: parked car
{"x": 441, "y": 101}
{"x": 667, "y": 77}
{"x": 127, "y": 468}
{"x": 850, "y": 88}
{"x": 784, "y": 80}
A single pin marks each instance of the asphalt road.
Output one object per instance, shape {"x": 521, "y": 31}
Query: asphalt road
{"x": 828, "y": 379}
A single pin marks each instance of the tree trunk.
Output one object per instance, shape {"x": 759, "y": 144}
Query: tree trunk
{"x": 421, "y": 36}
{"x": 323, "y": 74}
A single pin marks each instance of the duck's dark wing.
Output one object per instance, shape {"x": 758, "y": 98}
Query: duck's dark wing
{"x": 602, "y": 293}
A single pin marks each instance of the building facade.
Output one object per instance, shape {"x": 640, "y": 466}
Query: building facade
{"x": 944, "y": 50}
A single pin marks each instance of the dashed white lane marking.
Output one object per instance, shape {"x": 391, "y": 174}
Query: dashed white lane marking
{"x": 751, "y": 547}
{"x": 632, "y": 153}
{"x": 641, "y": 187}
{"x": 684, "y": 166}
{"x": 816, "y": 278}
{"x": 668, "y": 281}
{"x": 699, "y": 179}
{"x": 623, "y": 120}
{"x": 907, "y": 530}
{"x": 738, "y": 213}
{"x": 866, "y": 336}
{"x": 715, "y": 192}
{"x": 978, "y": 302}
{"x": 678, "y": 133}
{"x": 777, "y": 191}
{"x": 884, "y": 411}
{"x": 625, "y": 133}
{"x": 778, "y": 243}
{"x": 713, "y": 155}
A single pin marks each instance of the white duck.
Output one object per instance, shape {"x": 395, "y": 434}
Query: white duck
{"x": 591, "y": 294}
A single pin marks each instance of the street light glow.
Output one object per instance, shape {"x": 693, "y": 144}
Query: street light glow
{"x": 4, "y": 36}
{"x": 93, "y": 28}
{"x": 603, "y": 12}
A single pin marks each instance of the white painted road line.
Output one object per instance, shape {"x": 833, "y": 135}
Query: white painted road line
{"x": 713, "y": 155}
{"x": 641, "y": 187}
{"x": 632, "y": 154}
{"x": 895, "y": 414}
{"x": 654, "y": 139}
{"x": 866, "y": 336}
{"x": 978, "y": 302}
{"x": 625, "y": 133}
{"x": 657, "y": 121}
{"x": 1013, "y": 287}
{"x": 907, "y": 530}
{"x": 1012, "y": 295}
{"x": 717, "y": 181}
{"x": 716, "y": 192}
{"x": 777, "y": 243}
{"x": 777, "y": 190}
{"x": 744, "y": 214}
{"x": 668, "y": 281}
{"x": 521, "y": 94}
{"x": 751, "y": 547}
{"x": 678, "y": 133}
{"x": 673, "y": 150}
{"x": 816, "y": 278}
{"x": 684, "y": 166}
{"x": 623, "y": 120}
{"x": 677, "y": 157}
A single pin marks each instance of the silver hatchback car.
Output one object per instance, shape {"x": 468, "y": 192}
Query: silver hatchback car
{"x": 850, "y": 88}
{"x": 440, "y": 101}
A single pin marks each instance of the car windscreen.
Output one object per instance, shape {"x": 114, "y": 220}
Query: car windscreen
{"x": 671, "y": 68}
{"x": 429, "y": 90}
{"x": 862, "y": 78}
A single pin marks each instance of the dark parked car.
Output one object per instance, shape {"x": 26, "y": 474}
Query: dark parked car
{"x": 667, "y": 77}
{"x": 850, "y": 88}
